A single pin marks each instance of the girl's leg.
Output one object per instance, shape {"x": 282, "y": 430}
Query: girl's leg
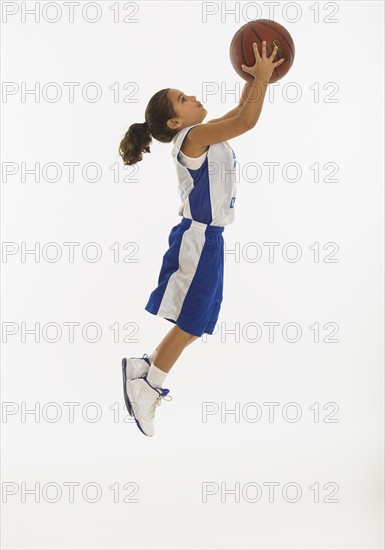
{"x": 192, "y": 339}
{"x": 171, "y": 347}
{"x": 145, "y": 391}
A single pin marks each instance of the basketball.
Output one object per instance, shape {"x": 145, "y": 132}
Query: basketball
{"x": 242, "y": 52}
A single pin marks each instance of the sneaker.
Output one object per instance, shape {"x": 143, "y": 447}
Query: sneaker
{"x": 137, "y": 366}
{"x": 133, "y": 367}
{"x": 146, "y": 398}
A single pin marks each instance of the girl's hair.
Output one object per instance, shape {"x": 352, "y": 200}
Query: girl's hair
{"x": 137, "y": 139}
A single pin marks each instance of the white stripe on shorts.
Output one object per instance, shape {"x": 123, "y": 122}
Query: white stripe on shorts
{"x": 190, "y": 251}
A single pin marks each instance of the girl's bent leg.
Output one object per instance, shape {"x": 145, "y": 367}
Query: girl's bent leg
{"x": 171, "y": 347}
{"x": 192, "y": 339}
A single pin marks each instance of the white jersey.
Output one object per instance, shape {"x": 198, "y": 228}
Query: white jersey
{"x": 207, "y": 193}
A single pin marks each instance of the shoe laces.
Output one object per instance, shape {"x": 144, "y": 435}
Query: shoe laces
{"x": 159, "y": 400}
{"x": 163, "y": 394}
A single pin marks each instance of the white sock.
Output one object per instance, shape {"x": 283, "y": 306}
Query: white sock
{"x": 152, "y": 356}
{"x": 155, "y": 376}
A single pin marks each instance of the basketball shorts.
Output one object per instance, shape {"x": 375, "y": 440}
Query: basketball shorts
{"x": 190, "y": 282}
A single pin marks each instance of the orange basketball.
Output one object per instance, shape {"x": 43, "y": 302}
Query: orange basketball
{"x": 242, "y": 52}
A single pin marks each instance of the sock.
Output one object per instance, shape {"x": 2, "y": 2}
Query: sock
{"x": 152, "y": 356}
{"x": 155, "y": 376}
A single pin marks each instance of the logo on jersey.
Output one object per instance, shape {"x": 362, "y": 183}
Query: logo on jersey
{"x": 232, "y": 202}
{"x": 235, "y": 160}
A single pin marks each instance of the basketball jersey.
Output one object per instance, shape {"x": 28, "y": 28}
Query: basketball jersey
{"x": 207, "y": 193}
{"x": 192, "y": 162}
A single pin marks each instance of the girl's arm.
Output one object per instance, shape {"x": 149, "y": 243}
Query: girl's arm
{"x": 235, "y": 112}
{"x": 223, "y": 130}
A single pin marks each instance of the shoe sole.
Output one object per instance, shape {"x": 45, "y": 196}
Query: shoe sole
{"x": 140, "y": 427}
{"x": 126, "y": 398}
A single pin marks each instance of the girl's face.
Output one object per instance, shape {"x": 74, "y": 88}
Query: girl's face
{"x": 189, "y": 111}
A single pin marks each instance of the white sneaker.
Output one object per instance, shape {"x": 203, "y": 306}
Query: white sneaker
{"x": 133, "y": 367}
{"x": 137, "y": 366}
{"x": 146, "y": 398}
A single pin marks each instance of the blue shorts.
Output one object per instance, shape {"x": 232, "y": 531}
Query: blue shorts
{"x": 190, "y": 283}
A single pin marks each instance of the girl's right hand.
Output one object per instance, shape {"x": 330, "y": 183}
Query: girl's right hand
{"x": 264, "y": 66}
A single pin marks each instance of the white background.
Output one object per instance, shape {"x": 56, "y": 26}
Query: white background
{"x": 171, "y": 46}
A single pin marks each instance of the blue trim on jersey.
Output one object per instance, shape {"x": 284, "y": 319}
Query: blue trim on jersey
{"x": 199, "y": 198}
{"x": 217, "y": 197}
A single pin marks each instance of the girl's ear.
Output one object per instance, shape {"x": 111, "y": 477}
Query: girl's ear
{"x": 172, "y": 123}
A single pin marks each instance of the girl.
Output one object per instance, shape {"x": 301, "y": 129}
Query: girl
{"x": 190, "y": 283}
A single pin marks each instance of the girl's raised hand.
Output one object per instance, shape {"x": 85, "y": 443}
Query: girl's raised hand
{"x": 263, "y": 66}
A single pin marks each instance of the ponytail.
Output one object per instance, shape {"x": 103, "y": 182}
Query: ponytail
{"x": 135, "y": 142}
{"x": 138, "y": 137}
